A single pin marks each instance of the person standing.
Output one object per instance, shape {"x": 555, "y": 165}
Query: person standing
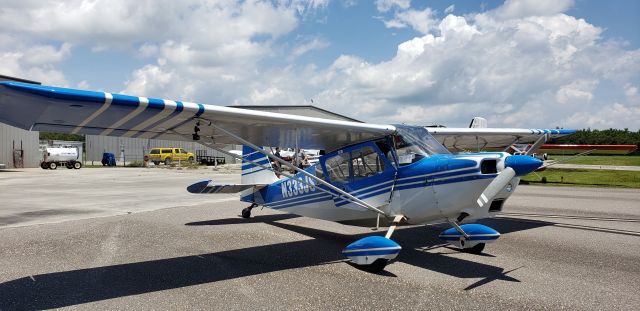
{"x": 300, "y": 158}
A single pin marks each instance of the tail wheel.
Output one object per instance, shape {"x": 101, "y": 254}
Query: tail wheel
{"x": 168, "y": 161}
{"x": 53, "y": 165}
{"x": 246, "y": 213}
{"x": 77, "y": 165}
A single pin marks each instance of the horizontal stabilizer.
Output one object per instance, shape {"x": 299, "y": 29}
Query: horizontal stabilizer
{"x": 207, "y": 186}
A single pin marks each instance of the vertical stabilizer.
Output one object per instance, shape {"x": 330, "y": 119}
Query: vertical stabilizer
{"x": 253, "y": 174}
{"x": 478, "y": 123}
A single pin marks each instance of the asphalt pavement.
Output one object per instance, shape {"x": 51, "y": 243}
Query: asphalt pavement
{"x": 147, "y": 244}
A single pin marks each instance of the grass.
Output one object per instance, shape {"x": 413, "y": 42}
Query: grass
{"x": 589, "y": 178}
{"x": 601, "y": 160}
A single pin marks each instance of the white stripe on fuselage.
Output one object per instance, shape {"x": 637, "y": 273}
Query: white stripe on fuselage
{"x": 143, "y": 103}
{"x": 107, "y": 102}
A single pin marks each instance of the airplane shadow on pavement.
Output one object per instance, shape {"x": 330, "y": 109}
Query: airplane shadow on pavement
{"x": 60, "y": 289}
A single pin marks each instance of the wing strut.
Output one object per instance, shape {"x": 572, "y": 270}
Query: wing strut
{"x": 268, "y": 167}
{"x": 289, "y": 165}
{"x": 538, "y": 143}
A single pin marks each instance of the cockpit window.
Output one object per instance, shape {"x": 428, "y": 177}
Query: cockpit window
{"x": 365, "y": 163}
{"x": 413, "y": 143}
{"x": 338, "y": 167}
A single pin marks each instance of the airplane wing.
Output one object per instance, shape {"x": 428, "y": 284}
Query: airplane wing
{"x": 473, "y": 139}
{"x": 54, "y": 109}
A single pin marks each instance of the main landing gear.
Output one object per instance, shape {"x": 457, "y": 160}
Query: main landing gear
{"x": 246, "y": 212}
{"x": 469, "y": 238}
{"x": 373, "y": 253}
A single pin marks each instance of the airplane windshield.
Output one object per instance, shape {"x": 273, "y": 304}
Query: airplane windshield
{"x": 413, "y": 143}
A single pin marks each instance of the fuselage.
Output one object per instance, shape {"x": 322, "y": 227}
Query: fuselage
{"x": 430, "y": 189}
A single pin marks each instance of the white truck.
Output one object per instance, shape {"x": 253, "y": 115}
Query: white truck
{"x": 60, "y": 156}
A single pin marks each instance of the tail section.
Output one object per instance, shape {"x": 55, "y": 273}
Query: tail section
{"x": 254, "y": 174}
{"x": 478, "y": 122}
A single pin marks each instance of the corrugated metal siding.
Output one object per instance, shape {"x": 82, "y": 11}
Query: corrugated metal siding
{"x": 12, "y": 136}
{"x": 136, "y": 148}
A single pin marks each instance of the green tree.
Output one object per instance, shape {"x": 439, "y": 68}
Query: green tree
{"x": 60, "y": 136}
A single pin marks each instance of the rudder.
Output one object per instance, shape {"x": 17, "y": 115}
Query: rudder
{"x": 254, "y": 174}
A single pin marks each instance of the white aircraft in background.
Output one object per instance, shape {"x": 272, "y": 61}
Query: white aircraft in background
{"x": 369, "y": 172}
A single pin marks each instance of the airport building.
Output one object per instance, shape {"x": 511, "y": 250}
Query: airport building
{"x": 18, "y": 148}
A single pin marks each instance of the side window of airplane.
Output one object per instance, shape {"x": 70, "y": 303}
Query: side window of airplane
{"x": 338, "y": 167}
{"x": 366, "y": 162}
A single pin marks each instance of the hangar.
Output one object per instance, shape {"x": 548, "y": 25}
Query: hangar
{"x": 20, "y": 148}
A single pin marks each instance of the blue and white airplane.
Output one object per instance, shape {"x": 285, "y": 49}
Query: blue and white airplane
{"x": 370, "y": 173}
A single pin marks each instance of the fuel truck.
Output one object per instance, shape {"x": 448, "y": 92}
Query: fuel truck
{"x": 60, "y": 156}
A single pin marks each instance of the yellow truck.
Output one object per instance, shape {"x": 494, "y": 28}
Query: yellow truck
{"x": 169, "y": 155}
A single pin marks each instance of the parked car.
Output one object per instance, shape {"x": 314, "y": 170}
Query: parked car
{"x": 169, "y": 155}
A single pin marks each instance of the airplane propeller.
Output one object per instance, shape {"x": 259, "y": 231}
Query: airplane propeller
{"x": 515, "y": 165}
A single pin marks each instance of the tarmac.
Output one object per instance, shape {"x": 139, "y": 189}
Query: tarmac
{"x": 128, "y": 238}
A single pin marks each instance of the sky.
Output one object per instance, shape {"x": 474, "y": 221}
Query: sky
{"x": 528, "y": 63}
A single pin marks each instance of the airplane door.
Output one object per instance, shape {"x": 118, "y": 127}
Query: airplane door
{"x": 440, "y": 165}
{"x": 364, "y": 172}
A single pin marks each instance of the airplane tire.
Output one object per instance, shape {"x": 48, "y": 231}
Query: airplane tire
{"x": 53, "y": 165}
{"x": 376, "y": 266}
{"x": 77, "y": 165}
{"x": 477, "y": 249}
{"x": 246, "y": 212}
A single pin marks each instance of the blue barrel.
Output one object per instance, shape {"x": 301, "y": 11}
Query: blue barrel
{"x": 108, "y": 159}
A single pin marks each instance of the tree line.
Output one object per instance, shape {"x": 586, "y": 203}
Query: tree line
{"x": 600, "y": 137}
{"x": 60, "y": 136}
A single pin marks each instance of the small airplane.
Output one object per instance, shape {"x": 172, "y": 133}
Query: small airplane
{"x": 369, "y": 173}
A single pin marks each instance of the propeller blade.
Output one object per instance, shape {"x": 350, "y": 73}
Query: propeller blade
{"x": 496, "y": 186}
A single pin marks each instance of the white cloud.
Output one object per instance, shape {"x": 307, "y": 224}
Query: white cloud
{"x": 421, "y": 21}
{"x": 24, "y": 59}
{"x": 45, "y": 54}
{"x": 450, "y": 9}
{"x": 386, "y": 5}
{"x": 315, "y": 44}
{"x": 580, "y": 91}
{"x": 270, "y": 93}
{"x": 542, "y": 68}
{"x": 513, "y": 9}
